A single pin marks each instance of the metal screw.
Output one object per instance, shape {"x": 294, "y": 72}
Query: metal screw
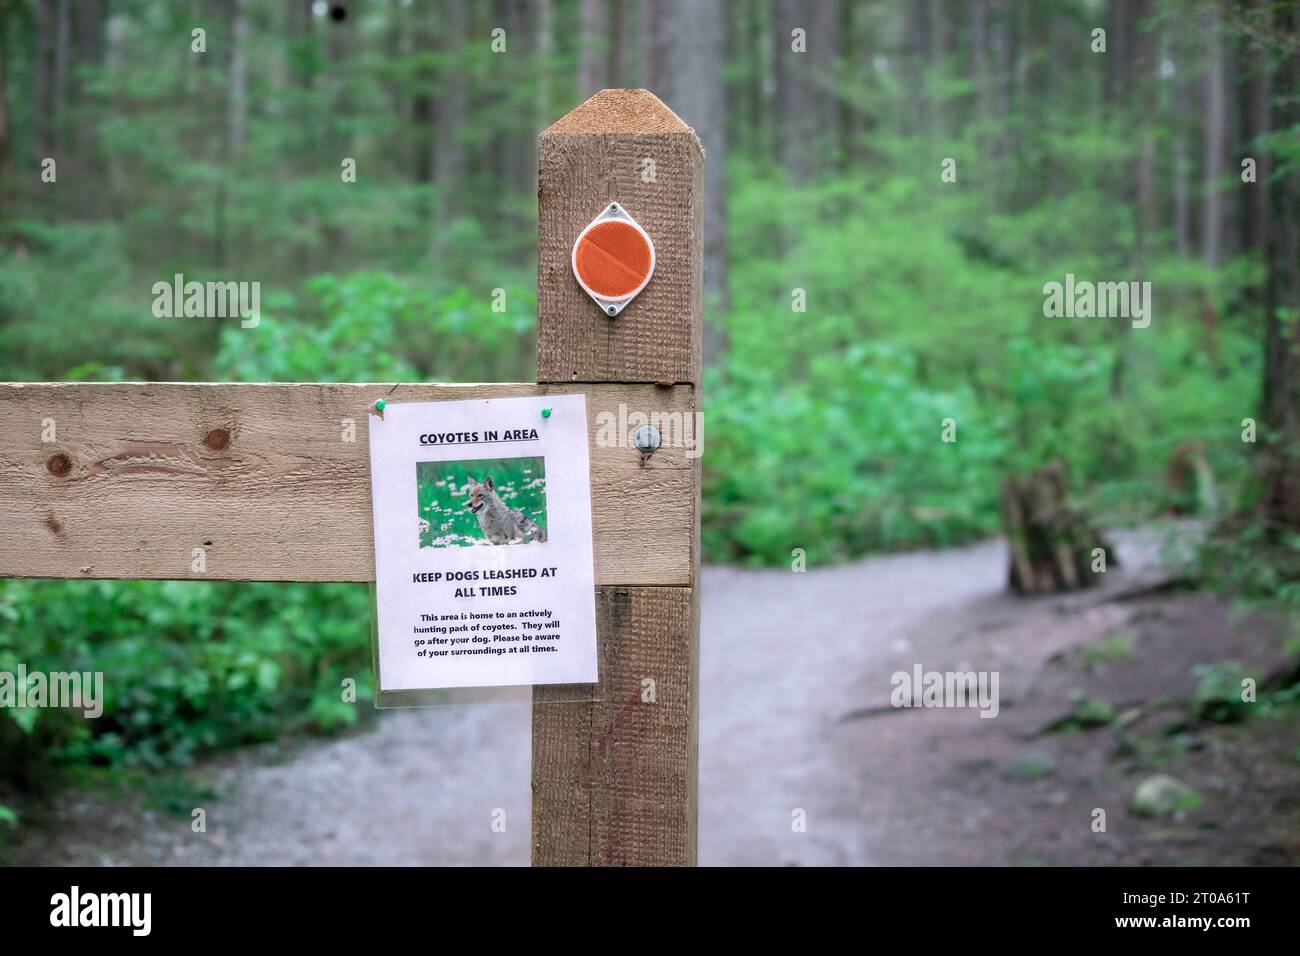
{"x": 646, "y": 439}
{"x": 612, "y": 310}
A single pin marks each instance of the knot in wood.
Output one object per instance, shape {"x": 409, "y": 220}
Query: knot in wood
{"x": 218, "y": 439}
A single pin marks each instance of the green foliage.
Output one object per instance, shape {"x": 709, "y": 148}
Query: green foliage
{"x": 188, "y": 667}
{"x": 1115, "y": 648}
{"x": 1030, "y": 765}
{"x": 1259, "y": 566}
{"x": 824, "y": 427}
{"x": 1255, "y": 562}
{"x": 170, "y": 792}
{"x": 65, "y": 297}
{"x": 1089, "y": 713}
{"x": 1219, "y": 691}
{"x": 376, "y": 327}
{"x": 841, "y": 463}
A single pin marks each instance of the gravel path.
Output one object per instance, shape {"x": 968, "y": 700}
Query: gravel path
{"x": 423, "y": 787}
{"x": 794, "y": 668}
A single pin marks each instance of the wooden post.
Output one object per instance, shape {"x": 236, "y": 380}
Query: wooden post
{"x": 615, "y": 781}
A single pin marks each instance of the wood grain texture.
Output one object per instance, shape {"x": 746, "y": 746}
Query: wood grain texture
{"x": 614, "y": 780}
{"x": 261, "y": 478}
{"x": 592, "y": 157}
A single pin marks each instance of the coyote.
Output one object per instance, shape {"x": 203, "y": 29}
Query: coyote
{"x": 501, "y": 524}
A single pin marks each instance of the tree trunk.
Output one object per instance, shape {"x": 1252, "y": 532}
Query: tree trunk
{"x": 519, "y": 139}
{"x": 1281, "y": 452}
{"x": 62, "y": 49}
{"x": 1051, "y": 544}
{"x": 545, "y": 45}
{"x": 425, "y": 88}
{"x": 918, "y": 47}
{"x": 89, "y": 31}
{"x": 6, "y": 152}
{"x": 801, "y": 107}
{"x": 1183, "y": 107}
{"x": 237, "y": 91}
{"x": 684, "y": 70}
{"x": 592, "y": 51}
{"x": 755, "y": 100}
{"x": 824, "y": 59}
{"x": 940, "y": 36}
{"x": 1121, "y": 52}
{"x": 1256, "y": 95}
{"x": 1146, "y": 68}
{"x": 43, "y": 78}
{"x": 1036, "y": 95}
{"x": 449, "y": 113}
{"x": 624, "y": 68}
{"x": 1215, "y": 135}
{"x": 1004, "y": 73}
{"x": 979, "y": 47}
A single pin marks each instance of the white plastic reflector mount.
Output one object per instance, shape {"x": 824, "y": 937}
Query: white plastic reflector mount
{"x": 613, "y": 259}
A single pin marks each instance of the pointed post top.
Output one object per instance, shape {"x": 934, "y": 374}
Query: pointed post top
{"x": 621, "y": 146}
{"x": 619, "y": 111}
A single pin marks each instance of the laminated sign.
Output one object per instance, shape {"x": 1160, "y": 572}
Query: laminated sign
{"x": 483, "y": 564}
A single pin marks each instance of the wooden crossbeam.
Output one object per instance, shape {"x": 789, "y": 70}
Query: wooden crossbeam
{"x": 265, "y": 480}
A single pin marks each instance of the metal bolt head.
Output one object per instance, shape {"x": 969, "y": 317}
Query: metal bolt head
{"x": 646, "y": 439}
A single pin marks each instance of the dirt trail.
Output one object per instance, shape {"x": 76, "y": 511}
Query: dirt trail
{"x": 789, "y": 662}
{"x": 795, "y": 716}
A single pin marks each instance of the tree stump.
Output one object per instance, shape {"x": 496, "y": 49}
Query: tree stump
{"x": 1189, "y": 481}
{"x": 1053, "y": 547}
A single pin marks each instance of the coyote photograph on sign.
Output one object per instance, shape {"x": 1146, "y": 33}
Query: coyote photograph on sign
{"x": 486, "y": 501}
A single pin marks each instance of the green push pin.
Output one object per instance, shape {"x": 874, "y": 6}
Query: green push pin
{"x": 379, "y": 405}
{"x": 546, "y": 413}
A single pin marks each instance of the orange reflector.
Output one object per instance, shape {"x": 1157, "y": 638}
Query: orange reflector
{"x": 613, "y": 259}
